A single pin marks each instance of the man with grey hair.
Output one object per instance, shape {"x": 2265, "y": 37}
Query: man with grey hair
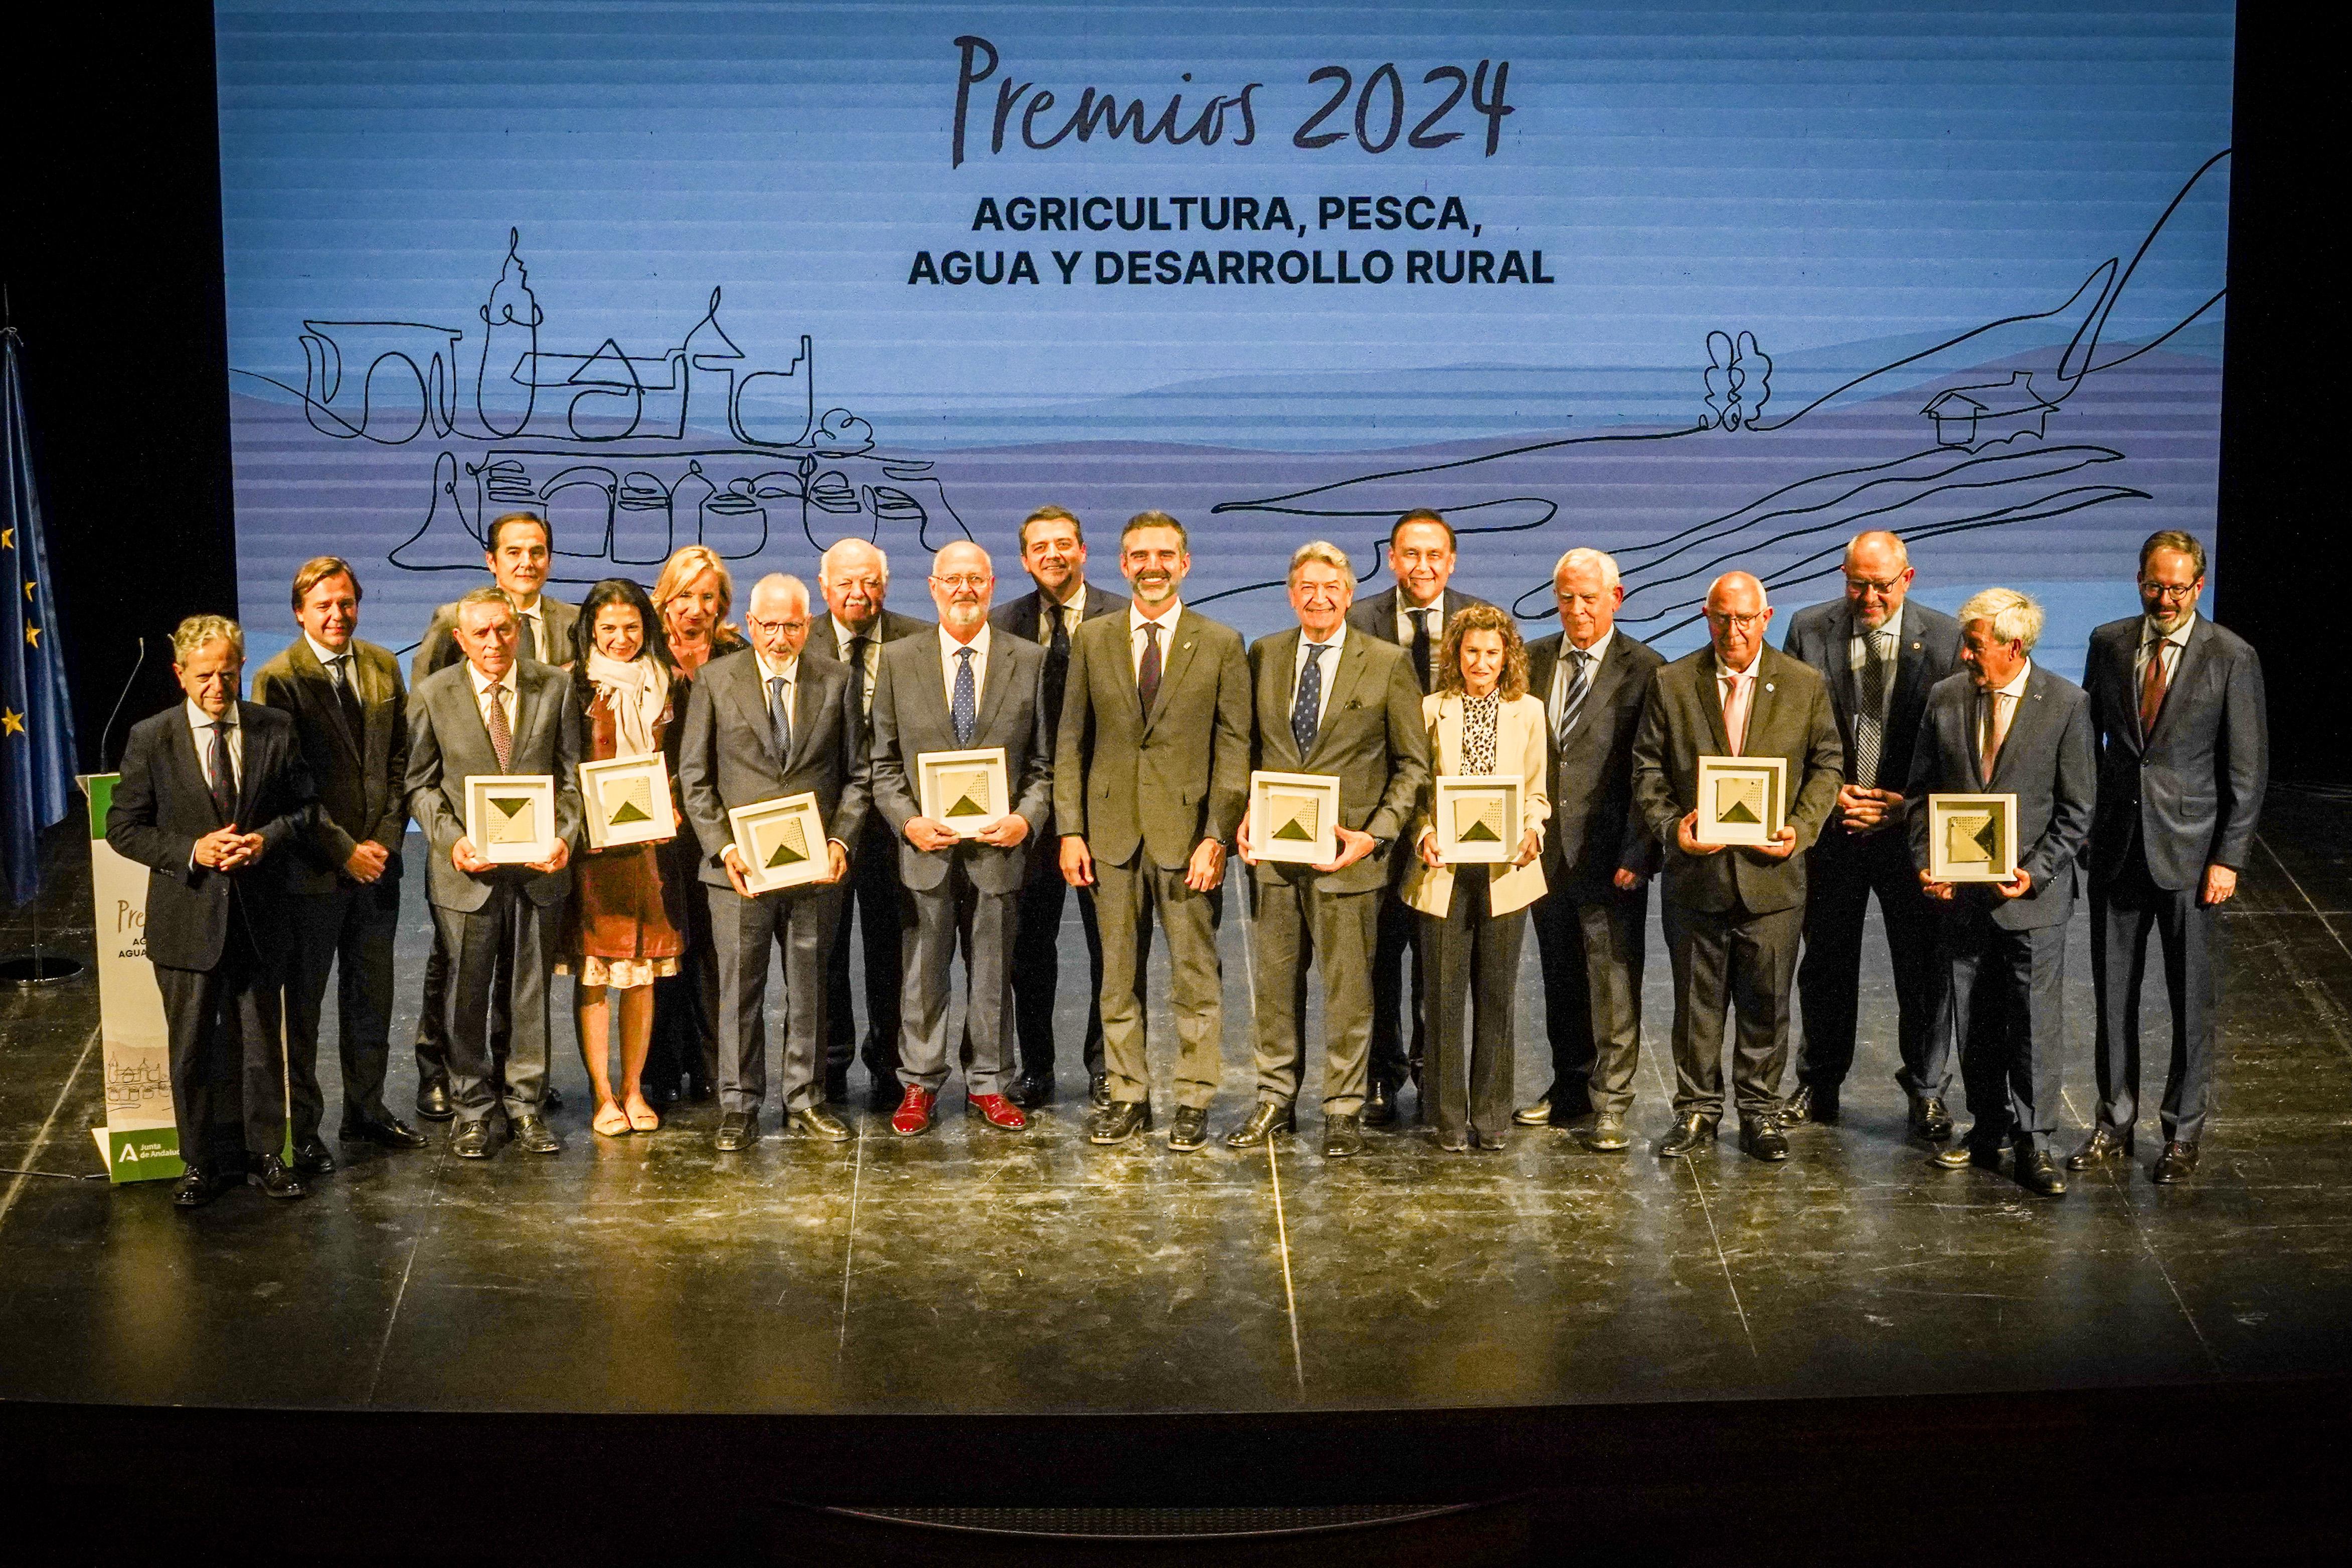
{"x": 1880, "y": 653}
{"x": 2005, "y": 726}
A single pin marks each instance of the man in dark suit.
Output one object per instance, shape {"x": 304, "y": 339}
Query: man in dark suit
{"x": 854, "y": 577}
{"x": 1413, "y": 615}
{"x": 1054, "y": 549}
{"x": 213, "y": 799}
{"x": 1733, "y": 915}
{"x": 1328, "y": 699}
{"x": 1879, "y": 655}
{"x": 350, "y": 716}
{"x": 2184, "y": 758}
{"x": 761, "y": 725}
{"x": 496, "y": 714}
{"x": 2006, "y": 726}
{"x": 1591, "y": 926}
{"x": 521, "y": 546}
{"x": 1150, "y": 778}
{"x": 962, "y": 689}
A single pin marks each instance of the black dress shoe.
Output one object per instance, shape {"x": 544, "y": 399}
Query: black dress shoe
{"x": 882, "y": 1094}
{"x": 1604, "y": 1135}
{"x": 551, "y": 1098}
{"x": 2105, "y": 1144}
{"x": 837, "y": 1087}
{"x": 2038, "y": 1174}
{"x": 1929, "y": 1119}
{"x": 392, "y": 1133}
{"x": 2176, "y": 1163}
{"x": 1691, "y": 1135}
{"x": 816, "y": 1122}
{"x": 1815, "y": 1102}
{"x": 1098, "y": 1089}
{"x": 277, "y": 1179}
{"x": 1119, "y": 1121}
{"x": 1267, "y": 1118}
{"x": 471, "y": 1141}
{"x": 198, "y": 1187}
{"x": 533, "y": 1136}
{"x": 1760, "y": 1138}
{"x": 1190, "y": 1130}
{"x": 1030, "y": 1090}
{"x": 1380, "y": 1105}
{"x": 737, "y": 1131}
{"x": 433, "y": 1103}
{"x": 312, "y": 1158}
{"x": 1343, "y": 1136}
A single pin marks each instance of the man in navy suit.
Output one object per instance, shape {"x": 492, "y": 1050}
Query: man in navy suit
{"x": 2184, "y": 756}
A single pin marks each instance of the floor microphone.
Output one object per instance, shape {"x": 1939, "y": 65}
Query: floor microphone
{"x": 102, "y": 735}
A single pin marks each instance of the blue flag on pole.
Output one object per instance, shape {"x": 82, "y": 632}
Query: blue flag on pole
{"x": 36, "y": 737}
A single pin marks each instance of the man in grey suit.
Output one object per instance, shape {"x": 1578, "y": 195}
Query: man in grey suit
{"x": 2006, "y": 726}
{"x": 1150, "y": 778}
{"x": 761, "y": 725}
{"x": 521, "y": 546}
{"x": 1328, "y": 699}
{"x": 1591, "y": 925}
{"x": 1733, "y": 915}
{"x": 494, "y": 713}
{"x": 2184, "y": 758}
{"x": 1412, "y": 614}
{"x": 960, "y": 689}
{"x": 1879, "y": 655}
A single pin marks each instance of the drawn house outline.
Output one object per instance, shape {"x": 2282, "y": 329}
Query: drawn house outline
{"x": 1974, "y": 416}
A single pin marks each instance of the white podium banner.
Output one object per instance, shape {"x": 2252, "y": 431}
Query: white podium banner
{"x": 141, "y": 1140}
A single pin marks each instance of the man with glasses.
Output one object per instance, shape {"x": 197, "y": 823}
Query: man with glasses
{"x": 1733, "y": 915}
{"x": 1880, "y": 653}
{"x": 2184, "y": 757}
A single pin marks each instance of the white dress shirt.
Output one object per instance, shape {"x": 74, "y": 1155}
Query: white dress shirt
{"x": 1330, "y": 667}
{"x": 1997, "y": 714}
{"x": 949, "y": 649}
{"x": 1566, "y": 667}
{"x": 2174, "y": 644}
{"x": 788, "y": 672}
{"x": 341, "y": 674}
{"x": 1071, "y": 611}
{"x": 872, "y": 658}
{"x": 1408, "y": 612}
{"x": 1137, "y": 621}
{"x": 506, "y": 694}
{"x": 200, "y": 729}
{"x": 1857, "y": 657}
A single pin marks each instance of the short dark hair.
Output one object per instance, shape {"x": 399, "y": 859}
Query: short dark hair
{"x": 2173, "y": 539}
{"x": 1156, "y": 520}
{"x": 1050, "y": 515}
{"x": 654, "y": 650}
{"x": 1421, "y": 515}
{"x": 317, "y": 570}
{"x": 545, "y": 531}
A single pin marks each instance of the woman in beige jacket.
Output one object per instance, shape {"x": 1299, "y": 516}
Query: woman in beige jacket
{"x": 1481, "y": 722}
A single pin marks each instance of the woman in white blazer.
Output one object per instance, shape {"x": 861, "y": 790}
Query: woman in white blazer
{"x": 1481, "y": 722}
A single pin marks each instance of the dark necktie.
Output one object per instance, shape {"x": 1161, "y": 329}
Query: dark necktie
{"x": 1580, "y": 686}
{"x": 501, "y": 732}
{"x": 1307, "y": 709}
{"x": 858, "y": 646}
{"x": 1147, "y": 672}
{"x": 224, "y": 771}
{"x": 780, "y": 714}
{"x": 2152, "y": 689}
{"x": 1058, "y": 664}
{"x": 348, "y": 698}
{"x": 1421, "y": 650}
{"x": 1870, "y": 724}
{"x": 963, "y": 710}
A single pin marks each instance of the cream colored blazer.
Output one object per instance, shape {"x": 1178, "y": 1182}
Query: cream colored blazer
{"x": 1521, "y": 739}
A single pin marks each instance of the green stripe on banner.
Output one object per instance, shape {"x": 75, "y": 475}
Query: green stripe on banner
{"x": 101, "y": 789}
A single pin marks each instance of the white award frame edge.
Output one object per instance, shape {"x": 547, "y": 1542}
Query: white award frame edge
{"x": 999, "y": 784}
{"x": 804, "y": 804}
{"x": 1775, "y": 769}
{"x": 1939, "y": 805}
{"x": 539, "y": 785}
{"x": 658, "y": 830}
{"x": 1325, "y": 849}
{"x": 1515, "y": 812}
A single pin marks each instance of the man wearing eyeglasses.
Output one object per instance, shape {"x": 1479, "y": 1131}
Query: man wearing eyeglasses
{"x": 2184, "y": 756}
{"x": 1880, "y": 653}
{"x": 1733, "y": 915}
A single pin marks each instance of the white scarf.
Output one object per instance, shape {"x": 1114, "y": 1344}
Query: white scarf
{"x": 635, "y": 690}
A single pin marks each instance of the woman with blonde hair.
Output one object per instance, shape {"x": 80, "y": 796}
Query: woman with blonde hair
{"x": 692, "y": 597}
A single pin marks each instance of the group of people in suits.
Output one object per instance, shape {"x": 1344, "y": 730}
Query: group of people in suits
{"x": 1130, "y": 726}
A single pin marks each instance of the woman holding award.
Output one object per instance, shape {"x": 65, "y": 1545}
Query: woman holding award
{"x": 623, "y": 930}
{"x": 1479, "y": 835}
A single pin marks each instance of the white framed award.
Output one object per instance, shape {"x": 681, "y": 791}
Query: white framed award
{"x": 965, "y": 790}
{"x": 512, "y": 816}
{"x": 781, "y": 841}
{"x": 1971, "y": 837}
{"x": 1294, "y": 817}
{"x": 626, "y": 800}
{"x": 1741, "y": 799}
{"x": 1476, "y": 819}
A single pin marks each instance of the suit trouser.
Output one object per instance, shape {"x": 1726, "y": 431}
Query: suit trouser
{"x": 1744, "y": 961}
{"x": 1396, "y": 950}
{"x": 510, "y": 938}
{"x": 349, "y": 931}
{"x": 433, "y": 1013}
{"x": 225, "y": 1060}
{"x": 2006, "y": 1009}
{"x": 872, "y": 904}
{"x": 1299, "y": 926}
{"x": 1037, "y": 966}
{"x": 1841, "y": 875}
{"x": 2123, "y": 909}
{"x": 1474, "y": 984}
{"x": 1128, "y": 899}
{"x": 803, "y": 922}
{"x": 686, "y": 1005}
{"x": 1593, "y": 945}
{"x": 940, "y": 920}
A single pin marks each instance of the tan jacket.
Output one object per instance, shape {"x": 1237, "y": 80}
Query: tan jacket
{"x": 1520, "y": 747}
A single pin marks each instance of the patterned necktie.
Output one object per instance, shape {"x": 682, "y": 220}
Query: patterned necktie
{"x": 1146, "y": 673}
{"x": 780, "y": 714}
{"x": 347, "y": 697}
{"x": 1420, "y": 640}
{"x": 224, "y": 771}
{"x": 501, "y": 732}
{"x": 1870, "y": 724}
{"x": 1307, "y": 709}
{"x": 860, "y": 694}
{"x": 1058, "y": 664}
{"x": 964, "y": 710}
{"x": 1580, "y": 686}
{"x": 2152, "y": 689}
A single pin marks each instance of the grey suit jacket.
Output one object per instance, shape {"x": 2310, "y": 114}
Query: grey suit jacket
{"x": 727, "y": 753}
{"x": 2194, "y": 791}
{"x": 1167, "y": 779}
{"x": 361, "y": 779}
{"x": 910, "y": 717}
{"x": 1788, "y": 715}
{"x": 438, "y": 648}
{"x": 1372, "y": 738}
{"x": 1821, "y": 635}
{"x": 1594, "y": 829}
{"x": 448, "y": 744}
{"x": 2046, "y": 761}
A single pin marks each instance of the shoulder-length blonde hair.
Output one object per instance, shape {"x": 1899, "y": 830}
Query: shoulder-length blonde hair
{"x": 1484, "y": 618}
{"x": 685, "y": 564}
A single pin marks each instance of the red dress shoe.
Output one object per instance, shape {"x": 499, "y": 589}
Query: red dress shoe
{"x": 997, "y": 1111}
{"x": 914, "y": 1112}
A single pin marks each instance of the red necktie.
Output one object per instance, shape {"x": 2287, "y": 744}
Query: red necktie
{"x": 2152, "y": 689}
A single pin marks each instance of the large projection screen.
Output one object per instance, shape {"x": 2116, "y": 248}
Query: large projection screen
{"x": 1700, "y": 285}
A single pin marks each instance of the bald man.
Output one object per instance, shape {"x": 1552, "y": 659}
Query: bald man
{"x": 1733, "y": 915}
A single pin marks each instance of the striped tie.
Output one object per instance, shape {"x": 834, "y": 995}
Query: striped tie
{"x": 1580, "y": 686}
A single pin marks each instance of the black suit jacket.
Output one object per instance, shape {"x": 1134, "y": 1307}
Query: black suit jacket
{"x": 1377, "y": 616}
{"x": 1594, "y": 829}
{"x": 727, "y": 752}
{"x": 162, "y": 807}
{"x": 361, "y": 778}
{"x": 1021, "y": 617}
{"x": 2192, "y": 791}
{"x": 2045, "y": 761}
{"x": 1821, "y": 635}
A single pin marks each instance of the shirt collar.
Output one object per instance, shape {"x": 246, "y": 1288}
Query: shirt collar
{"x": 1892, "y": 626}
{"x": 199, "y": 719}
{"x": 1166, "y": 620}
{"x": 1749, "y": 673}
{"x": 1567, "y": 649}
{"x": 951, "y": 647}
{"x": 2178, "y": 637}
{"x": 789, "y": 670}
{"x": 326, "y": 655}
{"x": 1337, "y": 637}
{"x": 1077, "y": 601}
{"x": 2016, "y": 687}
{"x": 482, "y": 681}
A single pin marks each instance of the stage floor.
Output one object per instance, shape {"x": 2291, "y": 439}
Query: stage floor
{"x": 975, "y": 1271}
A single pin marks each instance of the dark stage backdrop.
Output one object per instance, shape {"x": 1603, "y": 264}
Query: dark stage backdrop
{"x": 1702, "y": 284}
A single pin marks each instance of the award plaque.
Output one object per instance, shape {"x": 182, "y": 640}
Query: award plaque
{"x": 1294, "y": 817}
{"x": 1475, "y": 818}
{"x": 511, "y": 818}
{"x": 965, "y": 790}
{"x": 1741, "y": 799}
{"x": 781, "y": 841}
{"x": 627, "y": 801}
{"x": 1971, "y": 837}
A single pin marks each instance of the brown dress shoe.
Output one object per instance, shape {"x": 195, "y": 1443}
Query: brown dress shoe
{"x": 2105, "y": 1144}
{"x": 2178, "y": 1162}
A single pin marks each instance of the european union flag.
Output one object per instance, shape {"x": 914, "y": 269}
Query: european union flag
{"x": 36, "y": 739}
